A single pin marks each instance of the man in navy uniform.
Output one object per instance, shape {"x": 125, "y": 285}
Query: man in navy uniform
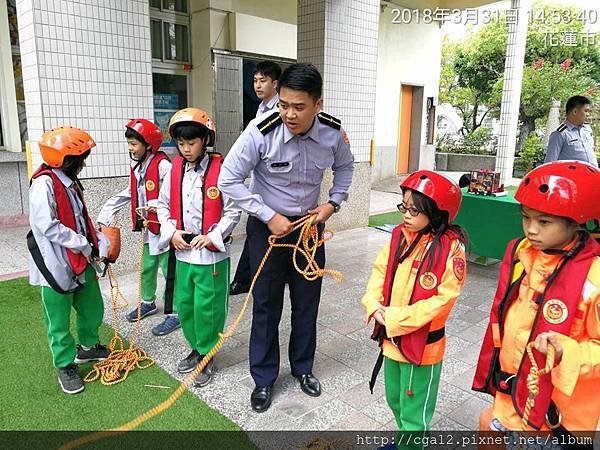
{"x": 266, "y": 76}
{"x": 288, "y": 151}
{"x": 573, "y": 139}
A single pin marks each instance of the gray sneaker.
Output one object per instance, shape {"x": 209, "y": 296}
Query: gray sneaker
{"x": 69, "y": 379}
{"x": 190, "y": 362}
{"x": 96, "y": 353}
{"x": 206, "y": 375}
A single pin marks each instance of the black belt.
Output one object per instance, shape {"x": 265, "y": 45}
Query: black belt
{"x": 432, "y": 337}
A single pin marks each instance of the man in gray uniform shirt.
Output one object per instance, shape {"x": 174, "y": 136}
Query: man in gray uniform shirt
{"x": 288, "y": 151}
{"x": 573, "y": 139}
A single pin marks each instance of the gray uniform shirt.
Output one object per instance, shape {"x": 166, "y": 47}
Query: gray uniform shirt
{"x": 52, "y": 237}
{"x": 288, "y": 169}
{"x": 267, "y": 107}
{"x": 571, "y": 142}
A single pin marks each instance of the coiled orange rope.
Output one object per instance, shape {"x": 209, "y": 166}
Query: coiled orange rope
{"x": 307, "y": 244}
{"x": 533, "y": 379}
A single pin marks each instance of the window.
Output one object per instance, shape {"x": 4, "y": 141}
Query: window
{"x": 170, "y": 94}
{"x": 176, "y": 42}
{"x": 170, "y": 31}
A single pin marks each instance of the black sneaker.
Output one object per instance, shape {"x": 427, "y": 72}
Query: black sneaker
{"x": 206, "y": 375}
{"x": 190, "y": 362}
{"x": 97, "y": 353}
{"x": 69, "y": 379}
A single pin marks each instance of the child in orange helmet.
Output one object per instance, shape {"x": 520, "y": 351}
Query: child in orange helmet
{"x": 548, "y": 294}
{"x": 197, "y": 220}
{"x": 147, "y": 172}
{"x": 63, "y": 246}
{"x": 413, "y": 286}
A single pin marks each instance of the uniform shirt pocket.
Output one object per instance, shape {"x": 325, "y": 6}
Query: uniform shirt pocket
{"x": 317, "y": 162}
{"x": 280, "y": 172}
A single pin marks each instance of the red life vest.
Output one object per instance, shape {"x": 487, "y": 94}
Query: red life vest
{"x": 566, "y": 287}
{"x": 413, "y": 345}
{"x": 66, "y": 216}
{"x": 152, "y": 186}
{"x": 212, "y": 199}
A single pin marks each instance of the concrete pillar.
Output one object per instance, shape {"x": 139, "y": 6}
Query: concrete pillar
{"x": 340, "y": 39}
{"x": 553, "y": 120}
{"x": 87, "y": 66}
{"x": 8, "y": 96}
{"x": 511, "y": 92}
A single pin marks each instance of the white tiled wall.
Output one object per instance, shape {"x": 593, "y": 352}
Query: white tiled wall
{"x": 340, "y": 38}
{"x": 87, "y": 63}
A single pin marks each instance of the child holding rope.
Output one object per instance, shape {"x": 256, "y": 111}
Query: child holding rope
{"x": 146, "y": 175}
{"x": 197, "y": 220}
{"x": 548, "y": 294}
{"x": 413, "y": 286}
{"x": 63, "y": 245}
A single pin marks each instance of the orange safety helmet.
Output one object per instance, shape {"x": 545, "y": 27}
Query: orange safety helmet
{"x": 149, "y": 131}
{"x": 59, "y": 142}
{"x": 197, "y": 116}
{"x": 442, "y": 190}
{"x": 562, "y": 188}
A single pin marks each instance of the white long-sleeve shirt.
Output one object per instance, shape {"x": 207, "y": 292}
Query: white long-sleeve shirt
{"x": 53, "y": 238}
{"x": 114, "y": 204}
{"x": 192, "y": 200}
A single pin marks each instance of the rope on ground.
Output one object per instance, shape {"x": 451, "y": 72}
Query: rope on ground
{"x": 122, "y": 360}
{"x": 306, "y": 245}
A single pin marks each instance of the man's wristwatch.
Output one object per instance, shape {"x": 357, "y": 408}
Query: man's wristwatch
{"x": 336, "y": 207}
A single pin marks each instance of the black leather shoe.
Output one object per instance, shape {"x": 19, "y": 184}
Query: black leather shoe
{"x": 309, "y": 384}
{"x": 237, "y": 287}
{"x": 261, "y": 398}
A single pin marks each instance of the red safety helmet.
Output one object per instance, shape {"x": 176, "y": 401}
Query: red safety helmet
{"x": 562, "y": 188}
{"x": 149, "y": 131}
{"x": 442, "y": 190}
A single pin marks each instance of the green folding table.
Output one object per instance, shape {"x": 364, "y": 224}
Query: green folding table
{"x": 491, "y": 223}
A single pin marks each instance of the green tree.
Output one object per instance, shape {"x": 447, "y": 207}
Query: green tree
{"x": 551, "y": 71}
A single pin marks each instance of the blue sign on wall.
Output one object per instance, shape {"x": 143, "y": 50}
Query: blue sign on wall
{"x": 166, "y": 101}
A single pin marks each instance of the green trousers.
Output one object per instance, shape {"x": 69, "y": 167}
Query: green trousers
{"x": 87, "y": 303}
{"x": 150, "y": 264}
{"x": 201, "y": 295}
{"x": 412, "y": 412}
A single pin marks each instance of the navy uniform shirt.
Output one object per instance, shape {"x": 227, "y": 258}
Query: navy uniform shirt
{"x": 571, "y": 142}
{"x": 288, "y": 169}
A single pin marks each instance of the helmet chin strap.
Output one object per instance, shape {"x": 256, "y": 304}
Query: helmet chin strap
{"x": 140, "y": 160}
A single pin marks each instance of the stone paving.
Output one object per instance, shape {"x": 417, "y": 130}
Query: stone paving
{"x": 345, "y": 353}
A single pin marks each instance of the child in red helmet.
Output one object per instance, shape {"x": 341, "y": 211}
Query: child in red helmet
{"x": 64, "y": 246}
{"x": 413, "y": 286}
{"x": 548, "y": 293}
{"x": 147, "y": 172}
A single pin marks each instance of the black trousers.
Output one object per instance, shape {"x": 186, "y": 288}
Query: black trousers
{"x": 268, "y": 306}
{"x": 242, "y": 273}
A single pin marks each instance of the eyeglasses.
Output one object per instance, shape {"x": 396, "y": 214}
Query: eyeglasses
{"x": 404, "y": 209}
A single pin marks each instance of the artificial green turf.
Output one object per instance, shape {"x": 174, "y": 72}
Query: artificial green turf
{"x": 32, "y": 398}
{"x": 393, "y": 218}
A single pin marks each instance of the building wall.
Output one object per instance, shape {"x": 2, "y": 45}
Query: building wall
{"x": 87, "y": 66}
{"x": 408, "y": 54}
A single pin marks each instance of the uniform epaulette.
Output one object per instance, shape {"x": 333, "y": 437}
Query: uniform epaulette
{"x": 329, "y": 120}
{"x": 270, "y": 123}
{"x": 562, "y": 127}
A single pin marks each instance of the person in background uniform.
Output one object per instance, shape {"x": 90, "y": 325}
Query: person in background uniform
{"x": 573, "y": 139}
{"x": 266, "y": 76}
{"x": 287, "y": 151}
{"x": 148, "y": 170}
{"x": 548, "y": 293}
{"x": 64, "y": 247}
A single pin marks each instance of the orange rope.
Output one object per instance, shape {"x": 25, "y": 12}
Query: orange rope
{"x": 307, "y": 244}
{"x": 121, "y": 360}
{"x": 533, "y": 379}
